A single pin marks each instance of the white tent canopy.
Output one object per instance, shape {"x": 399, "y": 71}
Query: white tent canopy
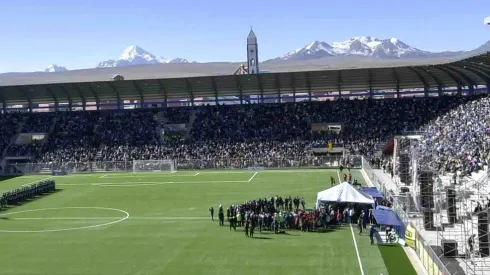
{"x": 343, "y": 192}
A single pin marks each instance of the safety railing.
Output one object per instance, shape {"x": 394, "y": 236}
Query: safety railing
{"x": 429, "y": 258}
{"x": 186, "y": 164}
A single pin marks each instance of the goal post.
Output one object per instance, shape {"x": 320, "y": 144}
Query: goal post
{"x": 166, "y": 165}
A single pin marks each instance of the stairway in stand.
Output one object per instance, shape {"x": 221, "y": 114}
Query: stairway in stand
{"x": 190, "y": 124}
{"x": 12, "y": 142}
{"x": 160, "y": 120}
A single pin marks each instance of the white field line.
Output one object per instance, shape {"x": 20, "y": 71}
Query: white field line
{"x": 357, "y": 250}
{"x": 147, "y": 175}
{"x": 136, "y": 183}
{"x": 108, "y": 218}
{"x": 338, "y": 175}
{"x": 197, "y": 174}
{"x": 27, "y": 184}
{"x": 251, "y": 178}
{"x": 103, "y": 176}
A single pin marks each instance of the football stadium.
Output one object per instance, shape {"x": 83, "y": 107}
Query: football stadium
{"x": 375, "y": 167}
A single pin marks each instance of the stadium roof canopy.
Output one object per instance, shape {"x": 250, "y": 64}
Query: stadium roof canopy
{"x": 177, "y": 81}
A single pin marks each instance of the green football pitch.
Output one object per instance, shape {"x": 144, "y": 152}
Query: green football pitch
{"x": 156, "y": 223}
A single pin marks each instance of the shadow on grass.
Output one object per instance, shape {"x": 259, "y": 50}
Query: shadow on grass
{"x": 8, "y": 207}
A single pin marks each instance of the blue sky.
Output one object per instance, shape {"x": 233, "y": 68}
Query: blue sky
{"x": 79, "y": 34}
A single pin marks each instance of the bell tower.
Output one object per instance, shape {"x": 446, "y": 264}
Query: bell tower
{"x": 252, "y": 53}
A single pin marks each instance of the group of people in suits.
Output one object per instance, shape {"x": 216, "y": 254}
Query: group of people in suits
{"x": 27, "y": 192}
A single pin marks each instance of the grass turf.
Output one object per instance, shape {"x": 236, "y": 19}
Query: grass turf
{"x": 396, "y": 260}
{"x": 168, "y": 230}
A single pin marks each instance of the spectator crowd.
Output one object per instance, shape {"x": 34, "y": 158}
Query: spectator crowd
{"x": 456, "y": 128}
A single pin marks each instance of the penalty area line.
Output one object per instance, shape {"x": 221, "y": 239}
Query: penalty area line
{"x": 251, "y": 178}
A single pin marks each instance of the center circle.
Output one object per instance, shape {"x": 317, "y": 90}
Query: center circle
{"x": 48, "y": 216}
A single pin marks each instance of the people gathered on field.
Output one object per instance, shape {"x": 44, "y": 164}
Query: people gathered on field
{"x": 271, "y": 135}
{"x": 278, "y": 214}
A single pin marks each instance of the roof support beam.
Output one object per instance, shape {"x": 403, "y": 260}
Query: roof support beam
{"x": 471, "y": 84}
{"x": 140, "y": 93}
{"x": 453, "y": 76}
{"x": 164, "y": 92}
{"x": 97, "y": 99}
{"x": 114, "y": 89}
{"x": 239, "y": 87}
{"x": 189, "y": 88}
{"x": 278, "y": 87}
{"x": 370, "y": 82}
{"x": 26, "y": 95}
{"x": 68, "y": 96}
{"x": 484, "y": 75}
{"x": 485, "y": 66}
{"x": 80, "y": 94}
{"x": 215, "y": 89}
{"x": 339, "y": 83}
{"x": 308, "y": 85}
{"x": 261, "y": 87}
{"x": 396, "y": 79}
{"x": 293, "y": 84}
{"x": 56, "y": 102}
{"x": 422, "y": 79}
{"x": 440, "y": 85}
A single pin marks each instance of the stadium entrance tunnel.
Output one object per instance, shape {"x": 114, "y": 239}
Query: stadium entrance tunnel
{"x": 60, "y": 219}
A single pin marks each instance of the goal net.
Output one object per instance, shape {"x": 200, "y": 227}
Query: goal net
{"x": 154, "y": 166}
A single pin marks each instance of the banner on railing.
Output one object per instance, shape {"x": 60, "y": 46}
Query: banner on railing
{"x": 410, "y": 236}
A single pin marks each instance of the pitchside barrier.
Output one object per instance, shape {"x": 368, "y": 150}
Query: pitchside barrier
{"x": 182, "y": 164}
{"x": 431, "y": 262}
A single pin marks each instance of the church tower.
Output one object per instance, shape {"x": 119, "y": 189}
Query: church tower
{"x": 252, "y": 53}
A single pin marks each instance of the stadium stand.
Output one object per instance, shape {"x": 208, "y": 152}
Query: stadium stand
{"x": 269, "y": 131}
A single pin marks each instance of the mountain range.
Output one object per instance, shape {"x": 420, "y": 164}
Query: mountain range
{"x": 366, "y": 46}
{"x": 134, "y": 55}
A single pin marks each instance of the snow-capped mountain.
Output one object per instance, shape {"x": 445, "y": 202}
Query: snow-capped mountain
{"x": 362, "y": 45}
{"x": 55, "y": 68}
{"x": 134, "y": 55}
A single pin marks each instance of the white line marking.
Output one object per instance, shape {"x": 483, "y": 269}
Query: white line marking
{"x": 144, "y": 175}
{"x": 197, "y": 174}
{"x": 338, "y": 175}
{"x": 103, "y": 176}
{"x": 123, "y": 218}
{"x": 111, "y": 218}
{"x": 27, "y": 184}
{"x": 149, "y": 183}
{"x": 357, "y": 250}
{"x": 250, "y": 179}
